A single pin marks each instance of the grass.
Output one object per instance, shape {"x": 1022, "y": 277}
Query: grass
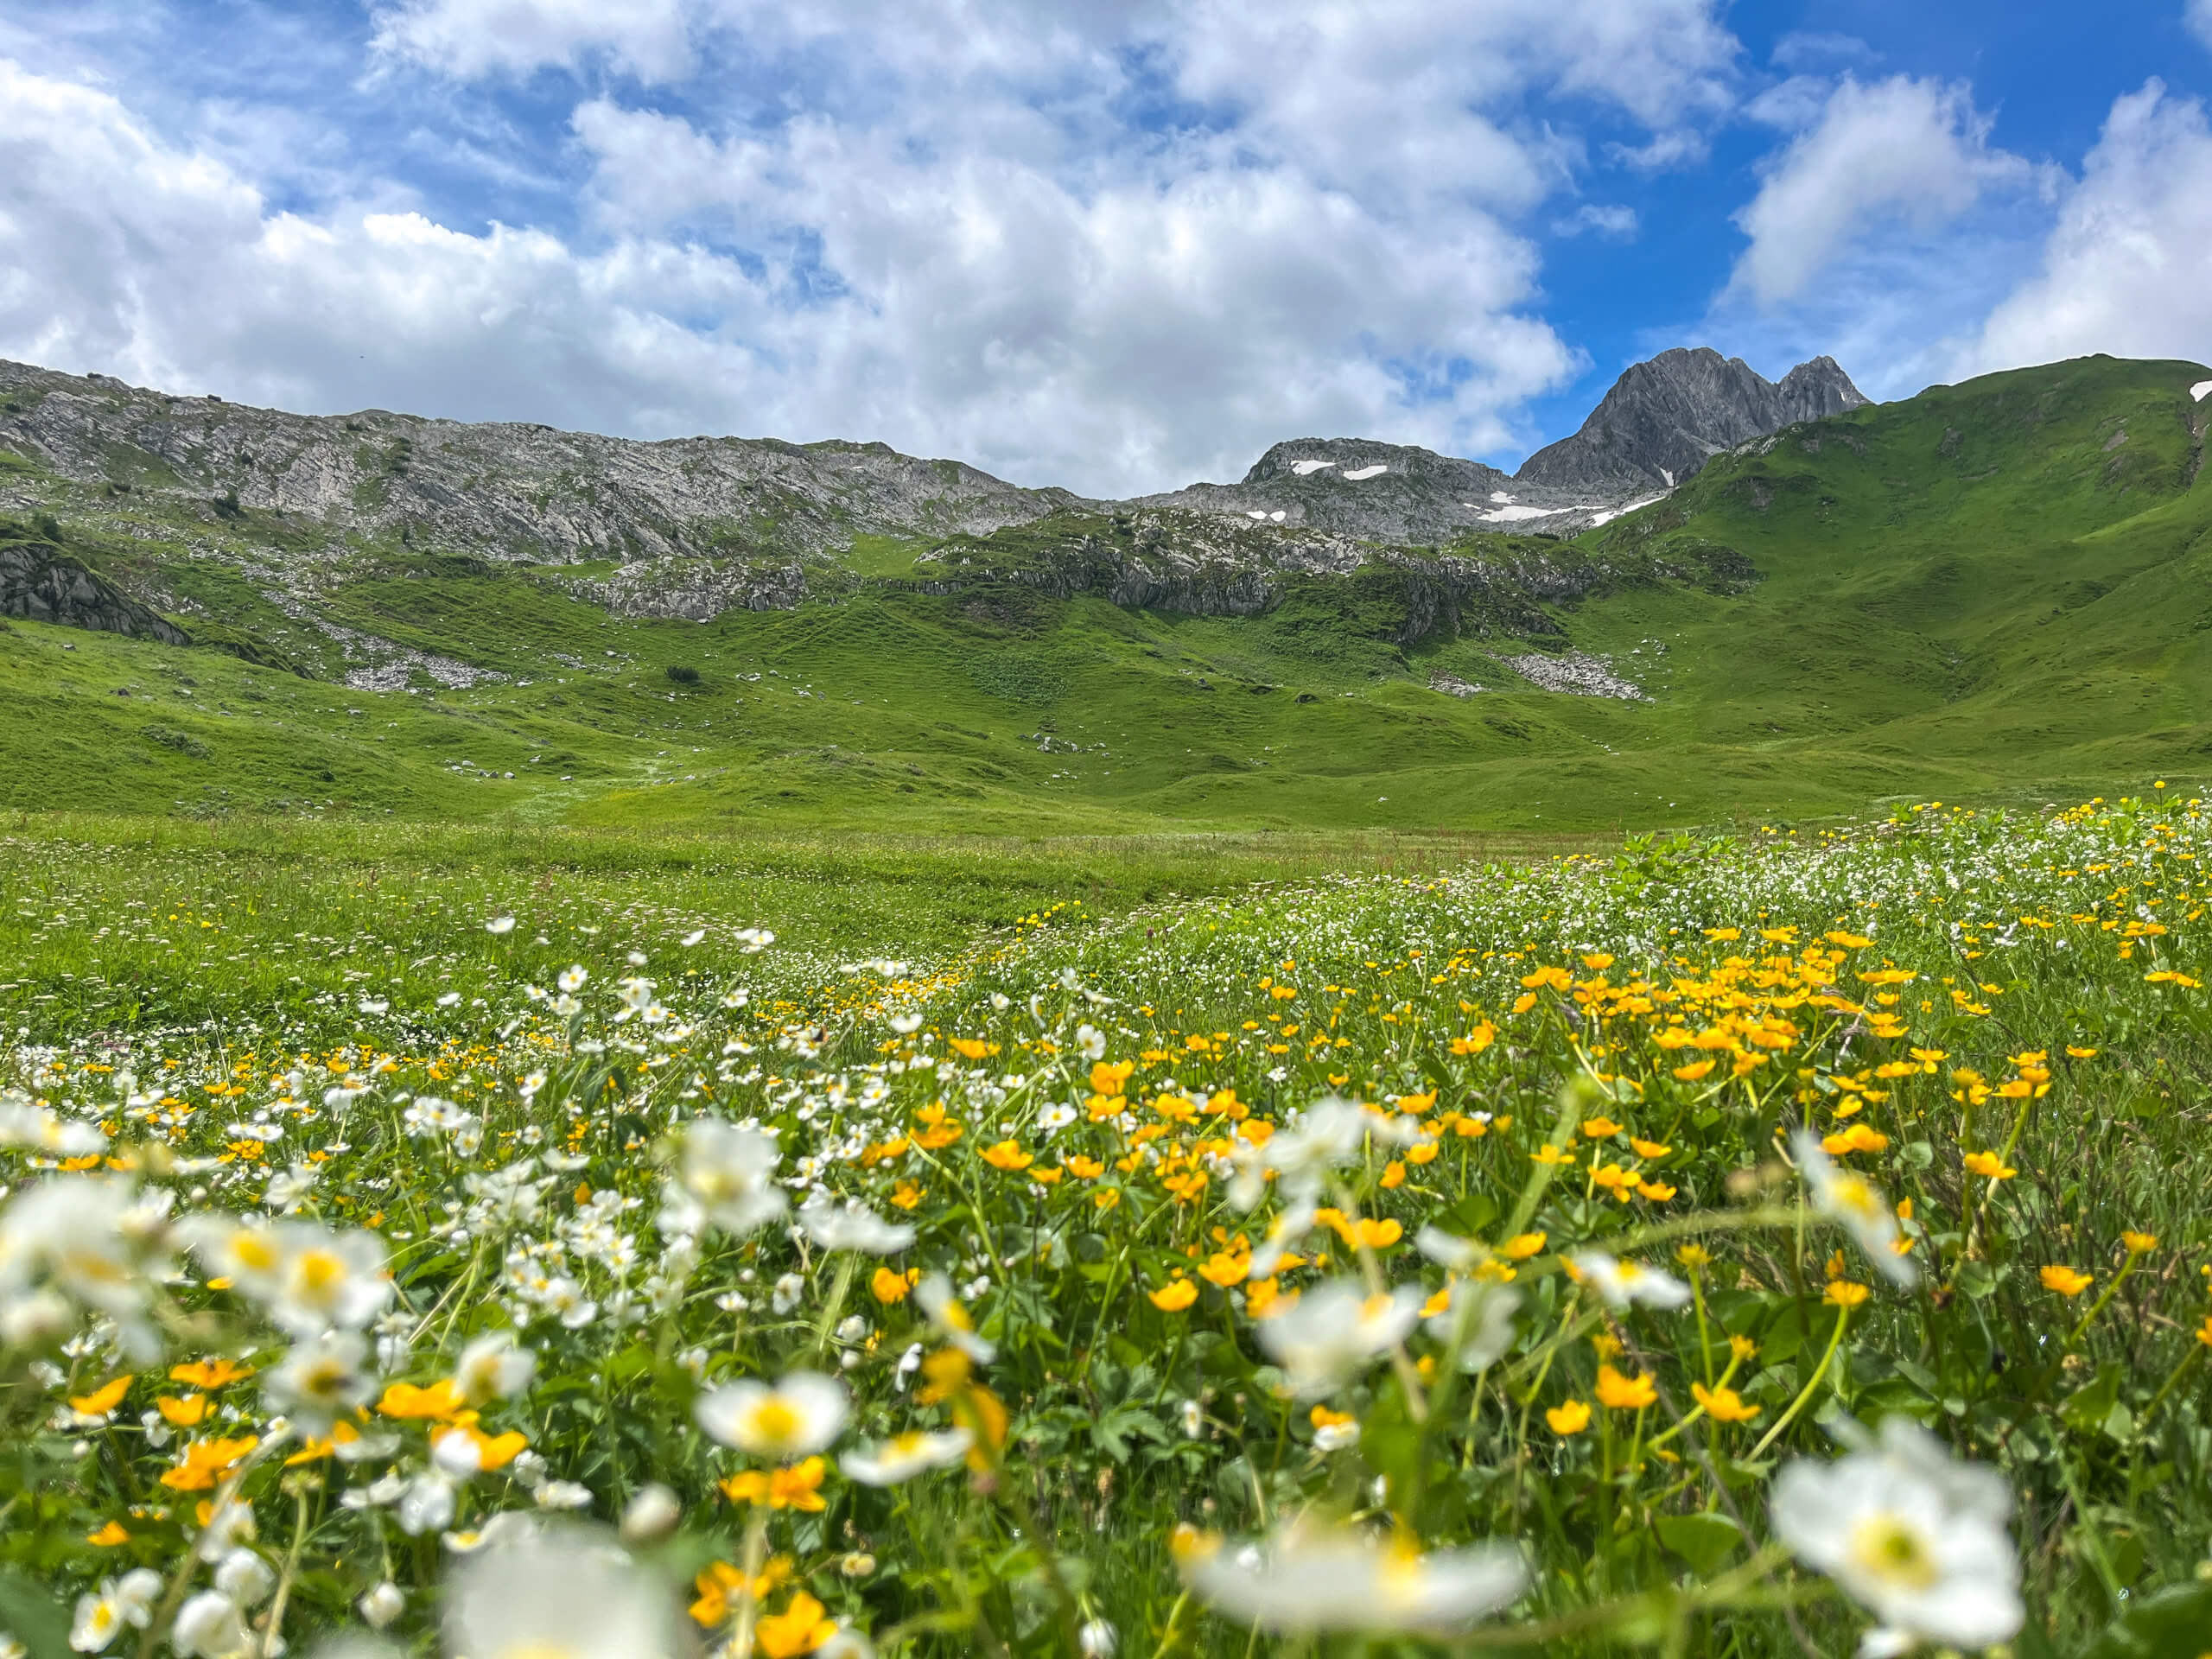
{"x": 2013, "y": 613}
{"x": 1999, "y": 1021}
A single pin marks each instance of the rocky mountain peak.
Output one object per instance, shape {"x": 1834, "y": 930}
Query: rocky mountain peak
{"x": 1666, "y": 417}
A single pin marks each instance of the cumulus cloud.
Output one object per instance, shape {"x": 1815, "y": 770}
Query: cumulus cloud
{"x": 1903, "y": 150}
{"x": 468, "y": 38}
{"x": 2198, "y": 16}
{"x": 2128, "y": 266}
{"x": 1113, "y": 246}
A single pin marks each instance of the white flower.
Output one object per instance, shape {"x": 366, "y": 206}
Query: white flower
{"x": 499, "y": 926}
{"x": 1449, "y": 1250}
{"x": 906, "y": 1455}
{"x": 1917, "y": 1538}
{"x": 28, "y": 1126}
{"x": 799, "y": 1416}
{"x": 1486, "y": 1310}
{"x": 1622, "y": 1282}
{"x": 1332, "y": 1132}
{"x": 693, "y": 938}
{"x": 381, "y": 1604}
{"x": 102, "y": 1616}
{"x": 210, "y": 1626}
{"x": 96, "y": 1239}
{"x": 905, "y": 1024}
{"x": 1858, "y": 1204}
{"x": 561, "y": 1495}
{"x": 493, "y": 1367}
{"x": 559, "y": 1591}
{"x": 307, "y": 1277}
{"x": 754, "y": 940}
{"x": 1055, "y": 1118}
{"x": 573, "y": 977}
{"x": 321, "y": 1379}
{"x": 1090, "y": 1042}
{"x": 651, "y": 1515}
{"x": 935, "y": 1295}
{"x": 725, "y": 1177}
{"x": 851, "y": 1227}
{"x": 1315, "y": 1579}
{"x": 427, "y": 1504}
{"x": 244, "y": 1577}
{"x": 1097, "y": 1639}
{"x": 1334, "y": 1332}
{"x": 1334, "y": 1437}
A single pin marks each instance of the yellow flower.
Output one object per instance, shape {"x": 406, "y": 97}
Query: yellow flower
{"x": 1857, "y": 1138}
{"x": 905, "y": 1195}
{"x": 210, "y": 1374}
{"x": 1844, "y": 1293}
{"x": 1694, "y": 1071}
{"x": 1694, "y": 1256}
{"x": 2139, "y": 1243}
{"x": 1522, "y": 1246}
{"x": 441, "y": 1400}
{"x": 2065, "y": 1280}
{"x": 1007, "y": 1155}
{"x": 1648, "y": 1149}
{"x": 1742, "y": 1348}
{"x": 1624, "y": 1393}
{"x": 1225, "y": 1268}
{"x": 1723, "y": 1405}
{"x": 802, "y": 1627}
{"x": 102, "y": 1400}
{"x": 971, "y": 1048}
{"x": 1599, "y": 1128}
{"x": 184, "y": 1413}
{"x": 1174, "y": 1296}
{"x": 798, "y": 1487}
{"x": 1658, "y": 1191}
{"x": 888, "y": 1287}
{"x": 2081, "y": 1053}
{"x": 207, "y": 1462}
{"x": 109, "y": 1535}
{"x": 1989, "y": 1164}
{"x": 492, "y": 1451}
{"x": 1573, "y": 1417}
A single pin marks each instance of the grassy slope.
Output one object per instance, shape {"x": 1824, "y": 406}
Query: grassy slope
{"x": 2008, "y": 614}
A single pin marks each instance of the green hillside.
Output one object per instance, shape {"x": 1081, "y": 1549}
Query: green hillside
{"x": 1997, "y": 590}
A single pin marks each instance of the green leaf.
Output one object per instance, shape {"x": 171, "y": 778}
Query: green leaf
{"x": 2090, "y": 1408}
{"x": 33, "y": 1617}
{"x": 1704, "y": 1541}
{"x": 2169, "y": 1623}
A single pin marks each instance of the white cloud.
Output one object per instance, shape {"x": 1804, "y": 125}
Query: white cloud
{"x": 1115, "y": 246}
{"x": 468, "y": 38}
{"x": 2128, "y": 267}
{"x": 1901, "y": 150}
{"x": 2198, "y": 16}
{"x": 1801, "y": 48}
{"x": 1609, "y": 219}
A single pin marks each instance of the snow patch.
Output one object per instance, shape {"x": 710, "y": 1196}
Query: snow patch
{"x": 1360, "y": 473}
{"x": 1302, "y": 468}
{"x": 1514, "y": 515}
{"x": 1278, "y": 516}
{"x": 1249, "y": 514}
{"x": 1611, "y": 513}
{"x": 1501, "y": 498}
{"x": 2198, "y": 392}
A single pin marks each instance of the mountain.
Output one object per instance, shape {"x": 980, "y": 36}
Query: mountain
{"x": 1665, "y": 418}
{"x": 1995, "y": 591}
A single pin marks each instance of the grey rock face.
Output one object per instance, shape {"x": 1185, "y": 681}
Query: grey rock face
{"x": 38, "y": 584}
{"x": 1665, "y": 419}
{"x": 500, "y": 489}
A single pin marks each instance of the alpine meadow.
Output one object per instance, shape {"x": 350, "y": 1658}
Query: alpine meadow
{"x": 623, "y": 1048}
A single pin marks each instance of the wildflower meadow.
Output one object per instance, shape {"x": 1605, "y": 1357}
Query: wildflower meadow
{"x": 1791, "y": 1245}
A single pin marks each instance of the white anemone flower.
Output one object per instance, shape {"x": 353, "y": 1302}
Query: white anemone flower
{"x": 493, "y": 1367}
{"x": 851, "y": 1227}
{"x": 1486, "y": 1310}
{"x": 212, "y": 1626}
{"x": 1916, "y": 1537}
{"x": 1622, "y": 1282}
{"x": 561, "y": 1591}
{"x": 905, "y": 1456}
{"x": 103, "y": 1616}
{"x": 792, "y": 1419}
{"x": 322, "y": 1379}
{"x": 307, "y": 1276}
{"x": 1857, "y": 1203}
{"x": 1335, "y": 1331}
{"x": 946, "y": 1313}
{"x": 95, "y": 1238}
{"x": 1333, "y": 1132}
{"x": 725, "y": 1177}
{"x": 1317, "y": 1579}
{"x": 26, "y": 1126}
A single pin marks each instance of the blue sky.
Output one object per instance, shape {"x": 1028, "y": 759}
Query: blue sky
{"x": 1116, "y": 245}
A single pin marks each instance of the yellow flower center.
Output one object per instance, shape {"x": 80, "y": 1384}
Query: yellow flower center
{"x": 1892, "y": 1549}
{"x": 774, "y": 1419}
{"x": 319, "y": 1271}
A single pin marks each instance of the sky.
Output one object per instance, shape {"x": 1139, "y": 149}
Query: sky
{"x": 1118, "y": 246}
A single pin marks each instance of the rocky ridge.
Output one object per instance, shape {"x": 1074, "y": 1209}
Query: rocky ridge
{"x": 1665, "y": 418}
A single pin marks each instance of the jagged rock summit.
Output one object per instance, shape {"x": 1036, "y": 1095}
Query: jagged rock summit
{"x": 1665, "y": 418}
